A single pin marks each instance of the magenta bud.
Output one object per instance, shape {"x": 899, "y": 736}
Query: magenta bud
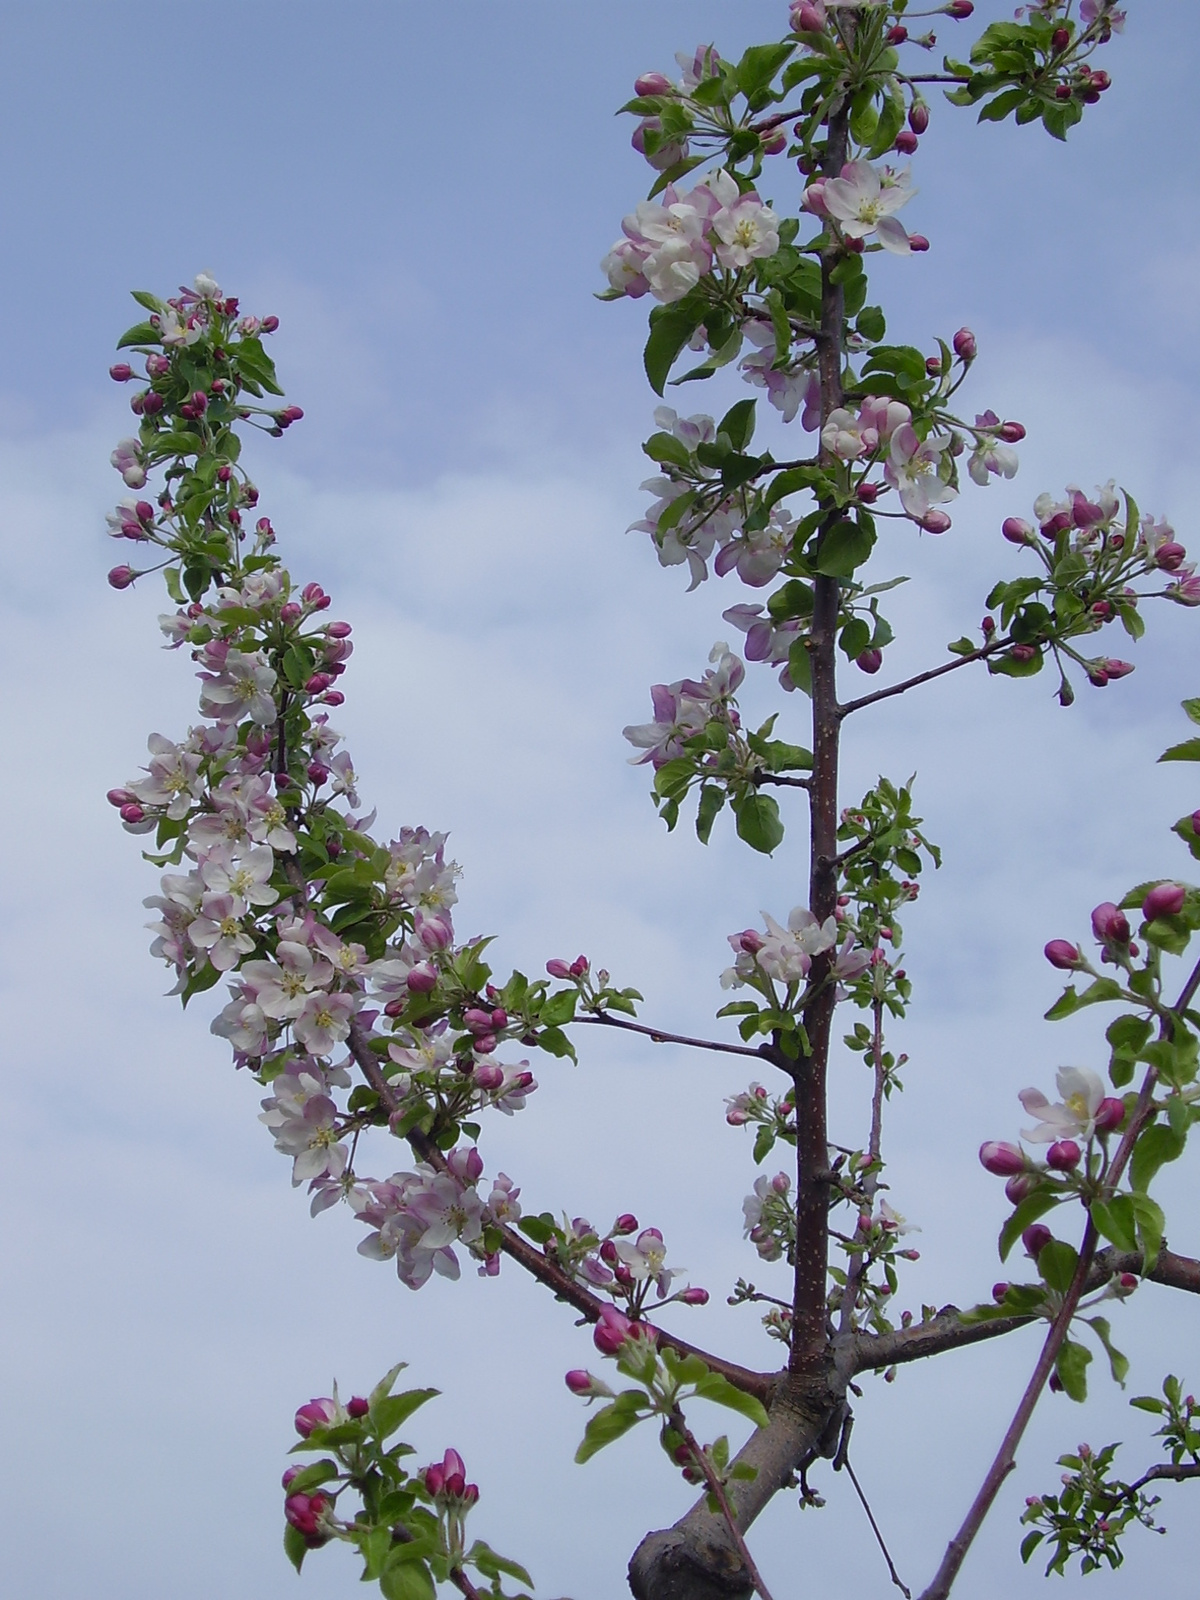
{"x": 318, "y": 683}
{"x": 478, "y": 1021}
{"x": 290, "y": 1473}
{"x": 290, "y": 612}
{"x": 918, "y": 243}
{"x": 421, "y": 980}
{"x": 1060, "y": 39}
{"x": 1110, "y": 1114}
{"x": 317, "y": 774}
{"x": 200, "y": 401}
{"x": 868, "y": 493}
{"x": 1196, "y": 823}
{"x": 288, "y": 415}
{"x": 334, "y": 697}
{"x": 314, "y": 1414}
{"x": 1000, "y": 1159}
{"x": 122, "y": 577}
{"x": 499, "y": 1018}
{"x": 935, "y": 521}
{"x": 965, "y": 347}
{"x": 869, "y": 661}
{"x": 356, "y": 1406}
{"x": 897, "y": 35}
{"x": 337, "y": 630}
{"x": 435, "y": 1480}
{"x": 121, "y": 797}
{"x": 132, "y": 813}
{"x": 1063, "y": 1154}
{"x": 988, "y": 627}
{"x": 652, "y": 83}
{"x": 1055, "y": 1384}
{"x": 960, "y": 9}
{"x": 999, "y": 1290}
{"x": 918, "y": 116}
{"x": 558, "y": 969}
{"x": 626, "y": 1223}
{"x": 906, "y": 142}
{"x": 1128, "y": 1281}
{"x": 121, "y": 372}
{"x": 1110, "y": 924}
{"x": 807, "y": 19}
{"x": 774, "y": 142}
{"x": 484, "y": 1043}
{"x": 694, "y": 1297}
{"x": 1011, "y": 432}
{"x": 269, "y": 324}
{"x": 611, "y": 1331}
{"x": 1035, "y": 1238}
{"x": 579, "y": 966}
{"x": 1017, "y": 531}
{"x": 488, "y": 1076}
{"x": 1063, "y": 955}
{"x": 608, "y": 1253}
{"x": 153, "y": 403}
{"x": 579, "y": 1381}
{"x": 1164, "y": 900}
{"x": 1016, "y": 1189}
{"x": 1170, "y": 557}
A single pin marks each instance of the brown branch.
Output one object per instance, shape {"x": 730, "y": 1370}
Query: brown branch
{"x": 1174, "y": 1472}
{"x": 760, "y": 777}
{"x": 521, "y": 1250}
{"x": 717, "y": 1490}
{"x": 1005, "y": 1459}
{"x": 762, "y": 1052}
{"x": 988, "y": 649}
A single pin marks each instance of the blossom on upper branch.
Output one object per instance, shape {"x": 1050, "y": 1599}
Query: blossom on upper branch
{"x": 914, "y": 468}
{"x": 1074, "y": 1116}
{"x": 863, "y": 199}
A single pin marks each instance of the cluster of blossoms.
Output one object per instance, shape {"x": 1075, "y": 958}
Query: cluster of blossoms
{"x": 862, "y": 200}
{"x": 669, "y": 245}
{"x": 1112, "y": 929}
{"x": 784, "y": 956}
{"x": 1066, "y": 1126}
{"x": 417, "y": 1217}
{"x": 684, "y": 709}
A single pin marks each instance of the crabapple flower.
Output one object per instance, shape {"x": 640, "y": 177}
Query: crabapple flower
{"x": 241, "y": 689}
{"x": 913, "y": 467}
{"x": 127, "y": 458}
{"x": 324, "y": 1021}
{"x": 787, "y": 391}
{"x": 247, "y": 880}
{"x": 862, "y": 200}
{"x": 847, "y": 437}
{"x": 1074, "y": 1116}
{"x": 644, "y": 1258}
{"x": 990, "y": 456}
{"x": 746, "y": 229}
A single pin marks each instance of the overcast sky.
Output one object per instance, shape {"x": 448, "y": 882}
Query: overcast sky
{"x": 422, "y": 194}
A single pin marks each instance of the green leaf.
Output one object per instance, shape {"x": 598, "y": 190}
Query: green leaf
{"x": 559, "y": 1008}
{"x": 140, "y": 333}
{"x": 294, "y": 1546}
{"x": 150, "y": 301}
{"x": 712, "y": 799}
{"x": 670, "y": 329}
{"x": 1030, "y": 1543}
{"x": 1070, "y": 1000}
{"x": 1118, "y": 1363}
{"x": 610, "y": 1423}
{"x": 539, "y": 1229}
{"x": 665, "y": 447}
{"x": 407, "y": 1580}
{"x": 996, "y": 110}
{"x": 871, "y": 324}
{"x": 1156, "y": 1145}
{"x": 1030, "y": 1209}
{"x": 759, "y": 65}
{"x": 1071, "y": 1365}
{"x": 843, "y": 548}
{"x": 738, "y": 424}
{"x": 1192, "y": 707}
{"x": 387, "y": 1414}
{"x": 1189, "y": 750}
{"x": 713, "y": 1386}
{"x": 800, "y": 666}
{"x": 1056, "y": 1264}
{"x": 492, "y": 1565}
{"x": 764, "y": 1143}
{"x": 1151, "y": 1226}
{"x": 758, "y": 822}
{"x": 1116, "y": 1221}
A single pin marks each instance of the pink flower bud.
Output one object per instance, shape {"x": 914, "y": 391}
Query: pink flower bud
{"x": 579, "y": 966}
{"x": 1035, "y": 1238}
{"x": 121, "y": 797}
{"x": 478, "y": 1021}
{"x": 1017, "y": 531}
{"x": 435, "y": 1480}
{"x": 774, "y": 142}
{"x": 122, "y": 577}
{"x": 558, "y": 969}
{"x": 488, "y": 1075}
{"x": 288, "y": 415}
{"x": 611, "y": 1331}
{"x": 422, "y": 979}
{"x": 1129, "y": 1281}
{"x": 1000, "y": 1159}
{"x": 291, "y": 1473}
{"x": 897, "y": 35}
{"x": 1063, "y": 1154}
{"x": 334, "y": 697}
{"x": 1110, "y": 924}
{"x": 608, "y": 1252}
{"x": 1016, "y": 1189}
{"x": 314, "y": 1414}
{"x": 999, "y": 1290}
{"x": 1060, "y": 39}
{"x": 935, "y": 521}
{"x": 906, "y": 142}
{"x": 356, "y": 1406}
{"x": 868, "y": 493}
{"x": 318, "y": 683}
{"x": 132, "y": 813}
{"x": 337, "y": 630}
{"x": 965, "y": 347}
{"x": 1063, "y": 955}
{"x": 1011, "y": 432}
{"x": 652, "y": 83}
{"x": 1170, "y": 557}
{"x": 1110, "y": 1114}
{"x": 121, "y": 372}
{"x": 1196, "y": 823}
{"x": 694, "y": 1297}
{"x": 484, "y": 1043}
{"x": 579, "y": 1381}
{"x": 918, "y": 116}
{"x": 1164, "y": 900}
{"x": 813, "y": 200}
{"x": 807, "y": 19}
{"x": 290, "y": 612}
{"x": 435, "y": 932}
{"x": 1117, "y": 669}
{"x": 499, "y": 1018}
{"x": 869, "y": 661}
{"x": 626, "y": 1223}
{"x": 960, "y": 9}
{"x": 918, "y": 243}
{"x": 736, "y": 1118}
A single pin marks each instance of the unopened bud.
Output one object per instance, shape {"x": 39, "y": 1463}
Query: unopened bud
{"x": 652, "y": 83}
{"x": 121, "y": 372}
{"x": 906, "y": 142}
{"x": 1035, "y": 1238}
{"x": 869, "y": 661}
{"x": 918, "y": 116}
{"x": 356, "y": 1406}
{"x": 694, "y": 1297}
{"x": 918, "y": 243}
{"x": 1062, "y": 954}
{"x": 122, "y": 577}
{"x": 1011, "y": 432}
{"x": 626, "y": 1223}
{"x": 965, "y": 347}
{"x": 935, "y": 521}
{"x": 1060, "y": 39}
{"x": 1063, "y": 1155}
{"x": 1002, "y": 1160}
{"x": 1164, "y": 900}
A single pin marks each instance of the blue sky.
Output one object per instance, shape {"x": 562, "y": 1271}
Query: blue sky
{"x": 422, "y": 194}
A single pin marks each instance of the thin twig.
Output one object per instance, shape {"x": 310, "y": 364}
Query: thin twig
{"x": 989, "y": 649}
{"x": 1174, "y": 1472}
{"x": 844, "y": 1461}
{"x": 463, "y": 1584}
{"x": 606, "y": 1019}
{"x": 717, "y": 1490}
{"x": 761, "y": 777}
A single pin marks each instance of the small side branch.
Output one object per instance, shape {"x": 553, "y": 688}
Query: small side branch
{"x": 605, "y": 1019}
{"x": 780, "y": 779}
{"x": 843, "y": 1461}
{"x": 539, "y": 1266}
{"x": 981, "y": 654}
{"x": 1172, "y": 1472}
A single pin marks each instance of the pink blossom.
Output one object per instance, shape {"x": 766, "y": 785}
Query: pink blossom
{"x": 1072, "y": 1117}
{"x": 913, "y": 467}
{"x": 863, "y": 199}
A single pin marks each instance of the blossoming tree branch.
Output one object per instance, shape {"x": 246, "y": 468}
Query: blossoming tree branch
{"x": 381, "y": 1039}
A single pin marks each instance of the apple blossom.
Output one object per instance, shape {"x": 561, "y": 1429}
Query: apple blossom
{"x": 1072, "y": 1117}
{"x": 914, "y": 467}
{"x": 863, "y": 199}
